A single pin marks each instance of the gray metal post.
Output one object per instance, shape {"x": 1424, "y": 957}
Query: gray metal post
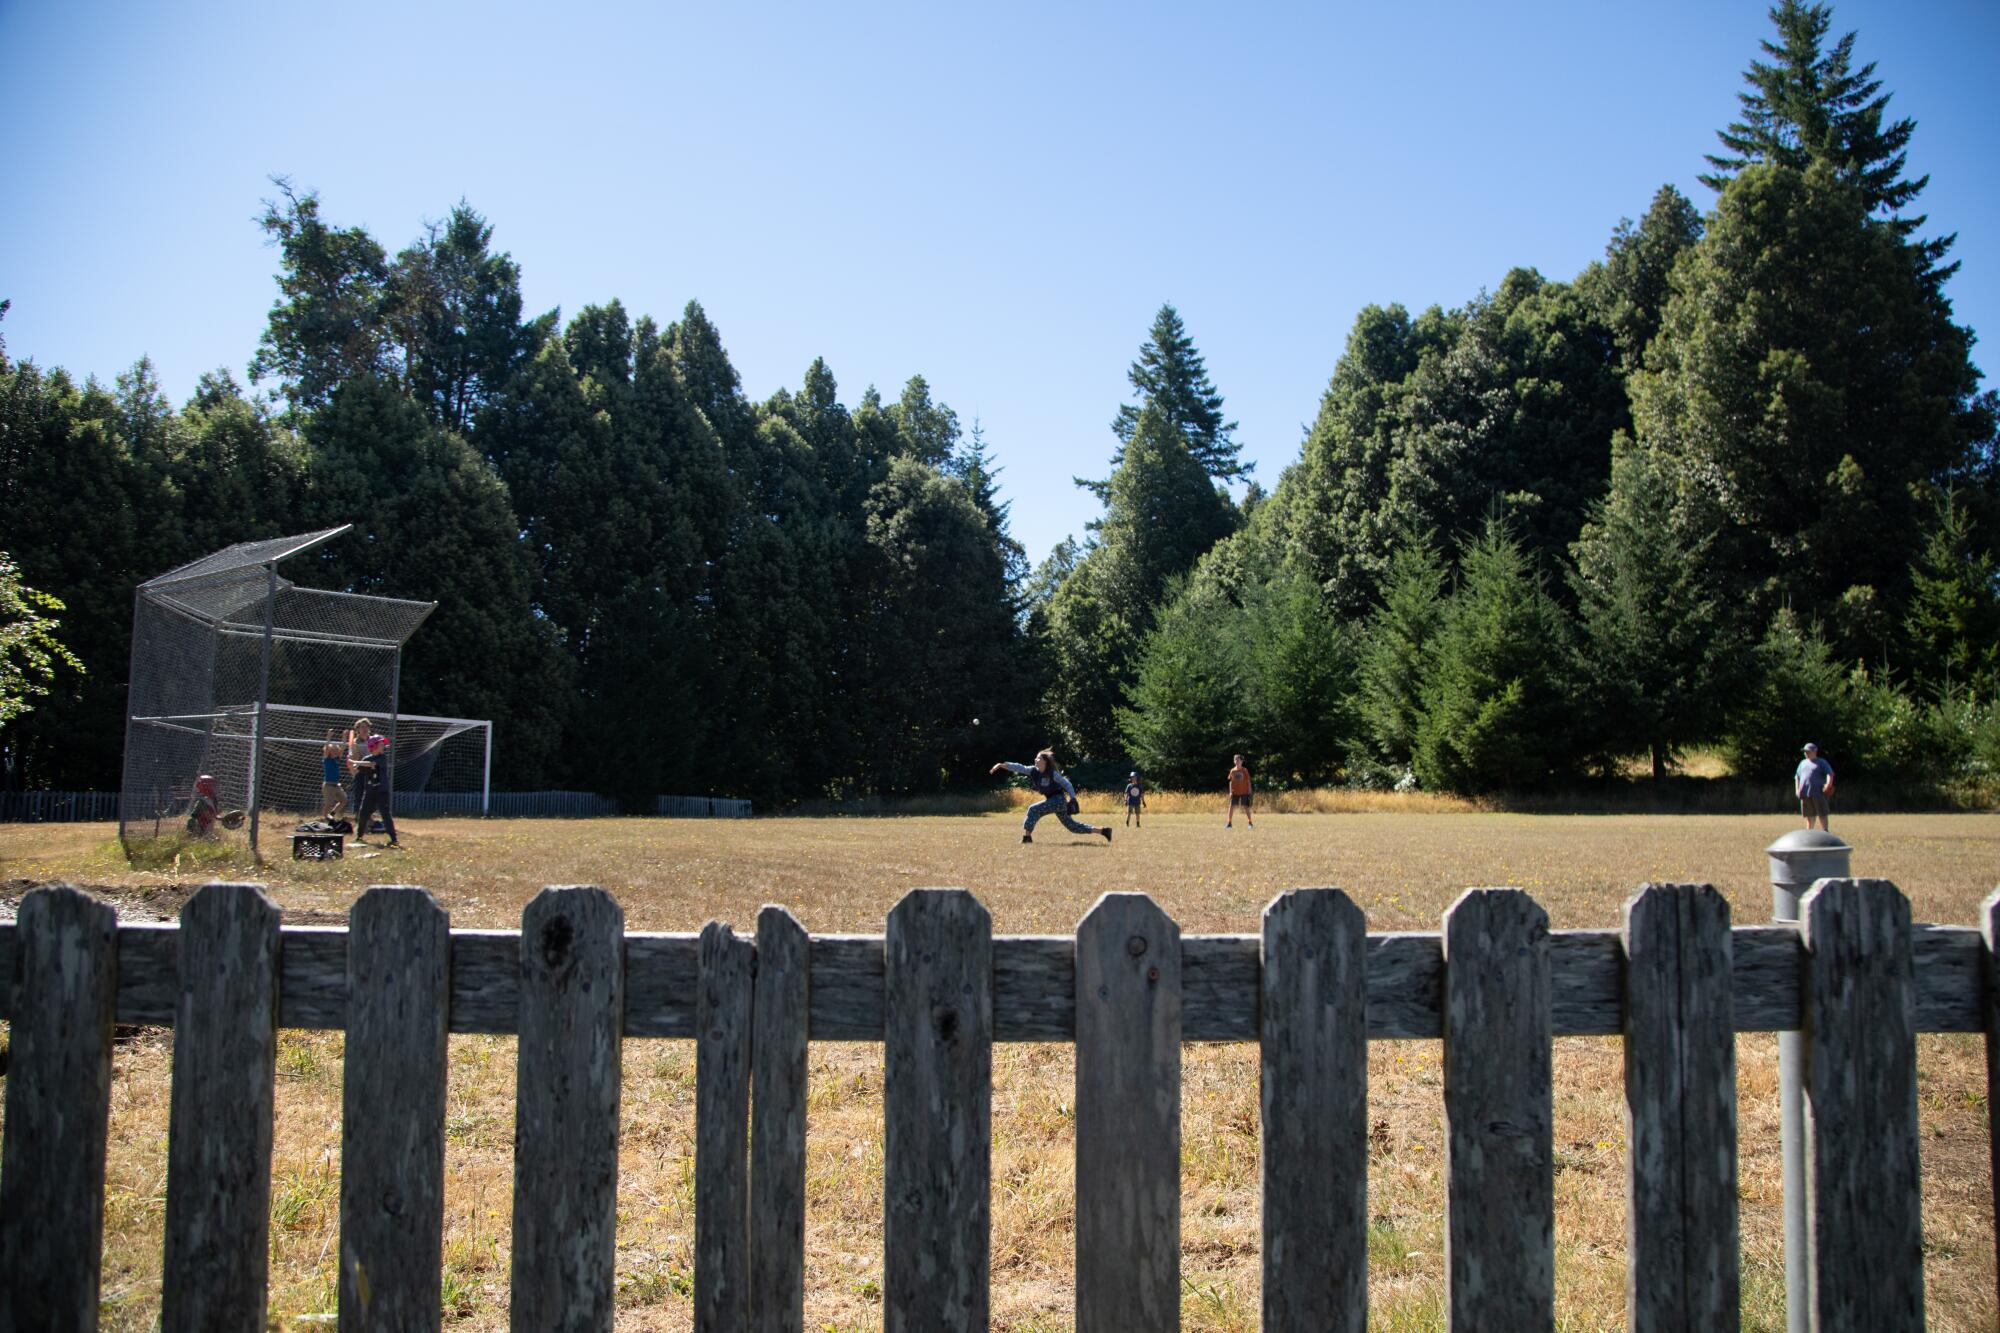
{"x": 486, "y": 778}
{"x": 395, "y": 702}
{"x": 263, "y": 699}
{"x": 125, "y": 768}
{"x": 1799, "y": 860}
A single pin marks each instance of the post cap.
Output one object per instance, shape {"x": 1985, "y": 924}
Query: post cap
{"x": 1806, "y": 856}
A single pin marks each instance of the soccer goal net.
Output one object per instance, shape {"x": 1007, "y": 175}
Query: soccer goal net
{"x": 241, "y": 675}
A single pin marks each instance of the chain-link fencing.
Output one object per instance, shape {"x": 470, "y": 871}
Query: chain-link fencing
{"x": 241, "y": 675}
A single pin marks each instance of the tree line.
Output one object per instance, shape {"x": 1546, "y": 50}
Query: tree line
{"x": 1734, "y": 484}
{"x": 651, "y": 582}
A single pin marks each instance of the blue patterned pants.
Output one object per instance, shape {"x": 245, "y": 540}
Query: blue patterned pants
{"x": 1059, "y": 807}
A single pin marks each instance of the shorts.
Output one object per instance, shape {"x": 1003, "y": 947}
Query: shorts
{"x": 1816, "y": 804}
{"x": 331, "y": 794}
{"x": 1242, "y": 799}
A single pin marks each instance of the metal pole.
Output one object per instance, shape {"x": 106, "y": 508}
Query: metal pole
{"x": 486, "y": 779}
{"x": 263, "y": 697}
{"x": 1799, "y": 860}
{"x": 395, "y": 700}
{"x": 125, "y": 770}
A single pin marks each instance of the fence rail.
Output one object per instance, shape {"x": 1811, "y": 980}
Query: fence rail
{"x": 938, "y": 989}
{"x": 66, "y": 807}
{"x": 57, "y": 807}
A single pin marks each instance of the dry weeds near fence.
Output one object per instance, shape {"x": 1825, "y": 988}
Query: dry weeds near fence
{"x": 938, "y": 989}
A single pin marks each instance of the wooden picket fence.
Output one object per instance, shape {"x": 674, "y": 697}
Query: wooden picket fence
{"x": 938, "y": 989}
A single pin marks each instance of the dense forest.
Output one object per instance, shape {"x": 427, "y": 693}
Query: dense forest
{"x": 1734, "y": 485}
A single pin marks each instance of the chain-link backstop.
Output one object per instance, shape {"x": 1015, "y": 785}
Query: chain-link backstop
{"x": 242, "y": 675}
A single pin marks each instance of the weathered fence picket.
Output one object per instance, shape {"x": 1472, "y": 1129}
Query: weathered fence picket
{"x": 220, "y": 1116}
{"x": 1864, "y": 1222}
{"x": 1128, "y": 1116}
{"x": 392, "y": 1113}
{"x": 1314, "y": 1106}
{"x": 778, "y": 1124}
{"x": 1680, "y": 1112}
{"x": 937, "y": 989}
{"x": 58, "y": 1114}
{"x": 1989, "y": 928}
{"x": 937, "y": 1106}
{"x": 566, "y": 1089}
{"x": 1499, "y": 1114}
{"x": 722, "y": 1133}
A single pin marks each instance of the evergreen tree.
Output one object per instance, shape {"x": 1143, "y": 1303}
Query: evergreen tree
{"x": 1335, "y": 509}
{"x": 432, "y": 521}
{"x": 1953, "y": 624}
{"x": 1508, "y": 403}
{"x": 327, "y": 327}
{"x": 1628, "y": 289}
{"x": 940, "y": 647}
{"x": 90, "y": 519}
{"x": 1797, "y": 691}
{"x": 238, "y": 473}
{"x": 1302, "y": 662}
{"x": 1396, "y": 650}
{"x": 1515, "y": 418}
{"x": 710, "y": 381}
{"x": 452, "y": 308}
{"x": 1162, "y": 512}
{"x": 972, "y": 464}
{"x": 925, "y": 430}
{"x": 1810, "y": 105}
{"x": 1191, "y": 688}
{"x": 1499, "y": 696}
{"x": 1660, "y": 646}
{"x": 601, "y": 345}
{"x": 1172, "y": 378}
{"x": 776, "y": 602}
{"x": 1805, "y": 379}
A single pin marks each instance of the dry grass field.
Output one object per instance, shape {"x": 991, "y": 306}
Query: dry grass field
{"x": 844, "y": 874}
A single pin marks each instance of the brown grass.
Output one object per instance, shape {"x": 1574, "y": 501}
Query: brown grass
{"x": 844, "y": 874}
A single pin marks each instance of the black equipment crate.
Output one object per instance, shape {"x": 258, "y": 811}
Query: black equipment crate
{"x": 318, "y": 846}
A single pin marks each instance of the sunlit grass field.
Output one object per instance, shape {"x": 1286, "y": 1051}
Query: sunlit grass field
{"x": 1403, "y": 866}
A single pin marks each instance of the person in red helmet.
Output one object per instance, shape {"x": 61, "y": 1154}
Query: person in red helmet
{"x": 373, "y": 780}
{"x": 205, "y": 809}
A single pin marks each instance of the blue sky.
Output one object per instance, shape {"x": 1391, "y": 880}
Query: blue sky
{"x": 998, "y": 197}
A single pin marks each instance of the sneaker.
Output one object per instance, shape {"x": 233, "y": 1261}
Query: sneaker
{"x": 1106, "y": 832}
{"x": 1027, "y": 837}
{"x": 395, "y": 846}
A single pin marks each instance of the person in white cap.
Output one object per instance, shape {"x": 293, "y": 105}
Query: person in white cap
{"x": 1814, "y": 784}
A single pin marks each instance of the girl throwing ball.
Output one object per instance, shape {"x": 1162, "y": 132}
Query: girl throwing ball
{"x": 1058, "y": 796}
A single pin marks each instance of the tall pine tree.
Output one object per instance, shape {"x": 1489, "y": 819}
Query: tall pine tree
{"x": 1172, "y": 378}
{"x": 1809, "y": 105}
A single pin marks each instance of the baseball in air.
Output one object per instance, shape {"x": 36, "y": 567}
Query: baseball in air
{"x": 975, "y": 721}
